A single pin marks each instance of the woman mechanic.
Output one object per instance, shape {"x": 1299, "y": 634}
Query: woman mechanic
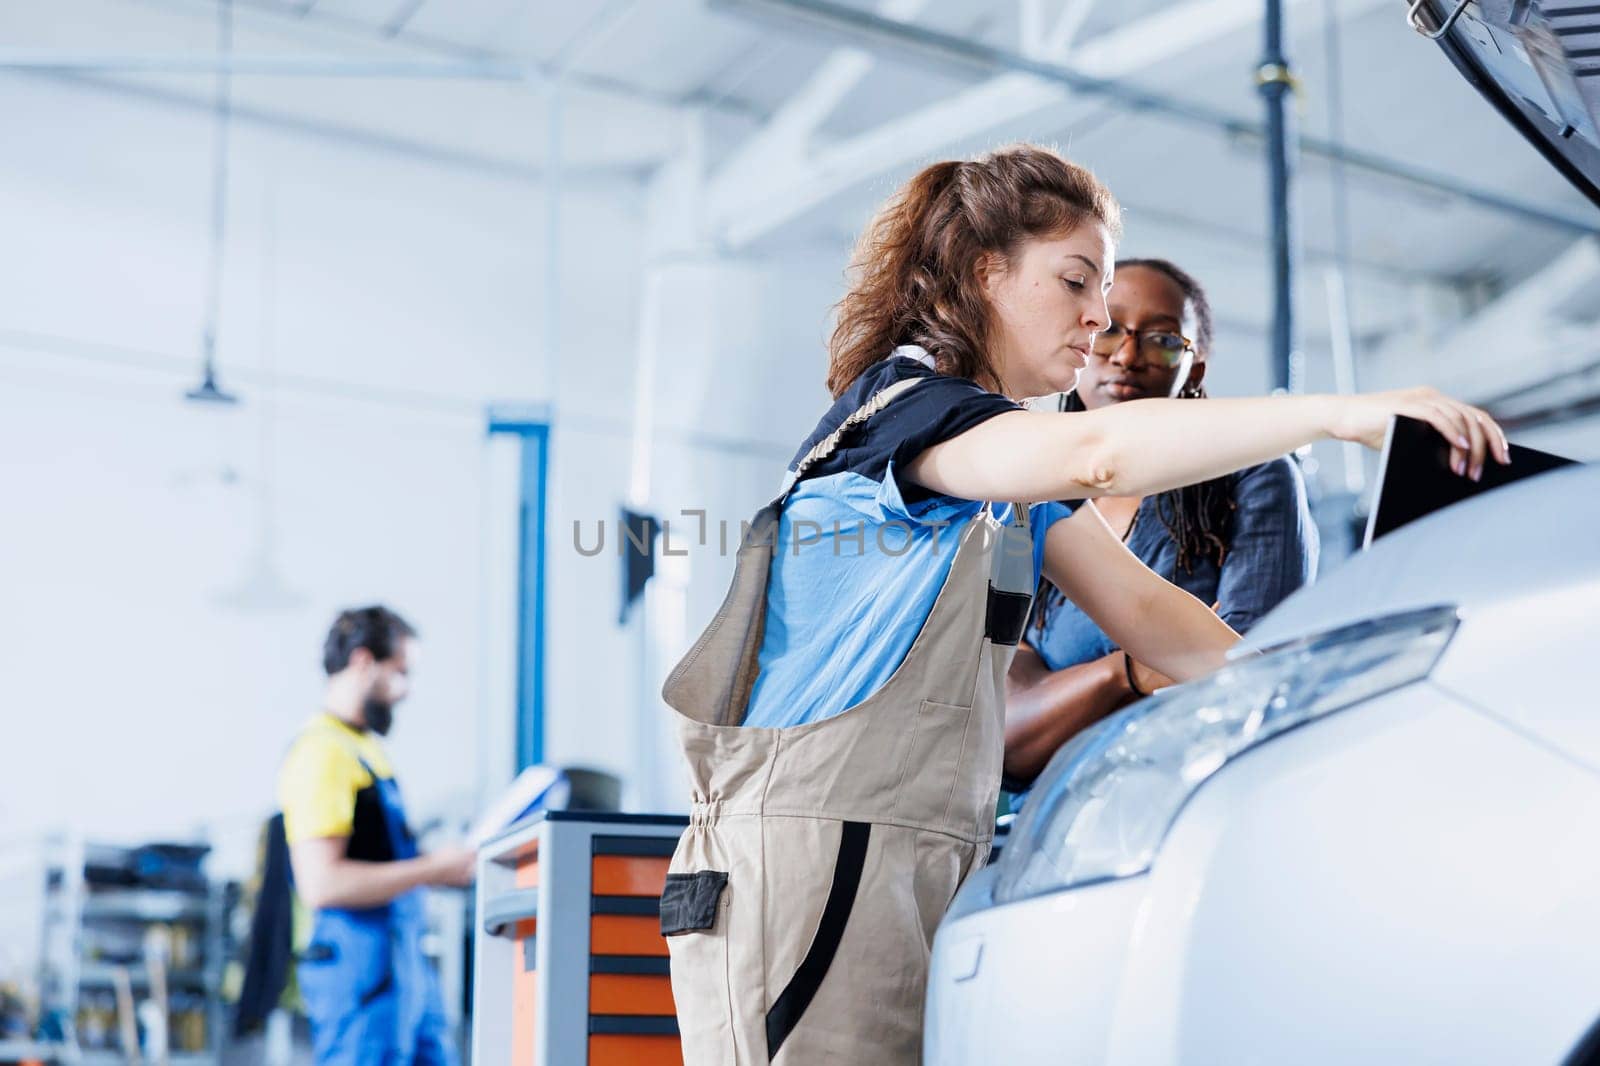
{"x": 842, "y": 714}
{"x": 1242, "y": 542}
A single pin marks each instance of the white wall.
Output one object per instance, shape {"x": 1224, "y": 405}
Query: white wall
{"x": 374, "y": 306}
{"x": 386, "y": 302}
{"x": 739, "y": 385}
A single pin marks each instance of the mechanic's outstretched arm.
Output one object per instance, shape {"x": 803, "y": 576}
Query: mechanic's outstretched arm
{"x": 1128, "y": 449}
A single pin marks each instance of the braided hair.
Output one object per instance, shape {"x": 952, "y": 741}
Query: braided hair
{"x": 1198, "y": 518}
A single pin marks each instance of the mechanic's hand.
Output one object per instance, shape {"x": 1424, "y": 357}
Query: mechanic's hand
{"x": 453, "y": 867}
{"x": 1473, "y": 435}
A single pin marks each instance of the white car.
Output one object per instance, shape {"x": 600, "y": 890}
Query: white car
{"x": 1377, "y": 842}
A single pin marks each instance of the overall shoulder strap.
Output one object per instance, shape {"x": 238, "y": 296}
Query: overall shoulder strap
{"x": 343, "y": 739}
{"x": 830, "y": 444}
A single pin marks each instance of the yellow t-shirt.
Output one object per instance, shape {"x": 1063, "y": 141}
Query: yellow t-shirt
{"x": 324, "y": 791}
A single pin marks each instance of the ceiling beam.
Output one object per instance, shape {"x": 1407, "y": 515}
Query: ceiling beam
{"x": 1031, "y": 87}
{"x": 397, "y": 22}
{"x": 1019, "y": 86}
{"x": 1057, "y": 42}
{"x": 322, "y": 27}
{"x": 347, "y": 136}
{"x": 276, "y": 66}
{"x": 784, "y": 140}
{"x": 1572, "y": 409}
{"x": 1532, "y": 340}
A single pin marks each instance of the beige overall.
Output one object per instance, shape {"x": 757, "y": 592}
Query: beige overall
{"x": 803, "y": 898}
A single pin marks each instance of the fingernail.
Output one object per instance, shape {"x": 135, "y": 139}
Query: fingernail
{"x": 1462, "y": 442}
{"x": 1457, "y": 466}
{"x": 1477, "y": 473}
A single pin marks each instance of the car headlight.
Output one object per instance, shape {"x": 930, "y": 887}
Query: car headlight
{"x": 1102, "y": 807}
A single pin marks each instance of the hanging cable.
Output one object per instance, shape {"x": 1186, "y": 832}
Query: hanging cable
{"x": 208, "y": 390}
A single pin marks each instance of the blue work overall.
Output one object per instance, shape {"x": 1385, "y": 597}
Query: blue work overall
{"x": 371, "y": 995}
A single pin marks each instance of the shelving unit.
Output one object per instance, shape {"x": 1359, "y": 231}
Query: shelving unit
{"x": 20, "y": 1051}
{"x": 116, "y": 1058}
{"x": 94, "y": 931}
{"x": 103, "y": 975}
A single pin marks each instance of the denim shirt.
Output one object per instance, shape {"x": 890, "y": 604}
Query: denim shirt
{"x": 1272, "y": 551}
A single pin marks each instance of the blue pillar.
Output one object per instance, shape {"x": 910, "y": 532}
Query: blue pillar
{"x": 532, "y": 523}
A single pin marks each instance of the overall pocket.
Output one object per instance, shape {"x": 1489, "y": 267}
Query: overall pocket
{"x": 689, "y": 902}
{"x": 695, "y": 910}
{"x": 347, "y": 966}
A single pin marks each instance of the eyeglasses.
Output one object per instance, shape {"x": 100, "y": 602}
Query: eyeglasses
{"x": 1160, "y": 347}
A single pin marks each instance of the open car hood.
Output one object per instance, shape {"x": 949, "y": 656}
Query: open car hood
{"x": 1538, "y": 63}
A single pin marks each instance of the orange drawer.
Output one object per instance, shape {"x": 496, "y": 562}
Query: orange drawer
{"x": 635, "y": 1051}
{"x": 624, "y": 875}
{"x": 615, "y": 993}
{"x": 626, "y": 934}
{"x": 524, "y": 1004}
{"x": 524, "y": 982}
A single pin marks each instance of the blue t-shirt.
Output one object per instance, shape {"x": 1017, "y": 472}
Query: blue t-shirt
{"x": 861, "y": 555}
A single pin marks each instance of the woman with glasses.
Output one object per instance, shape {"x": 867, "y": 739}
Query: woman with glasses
{"x": 1242, "y": 542}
